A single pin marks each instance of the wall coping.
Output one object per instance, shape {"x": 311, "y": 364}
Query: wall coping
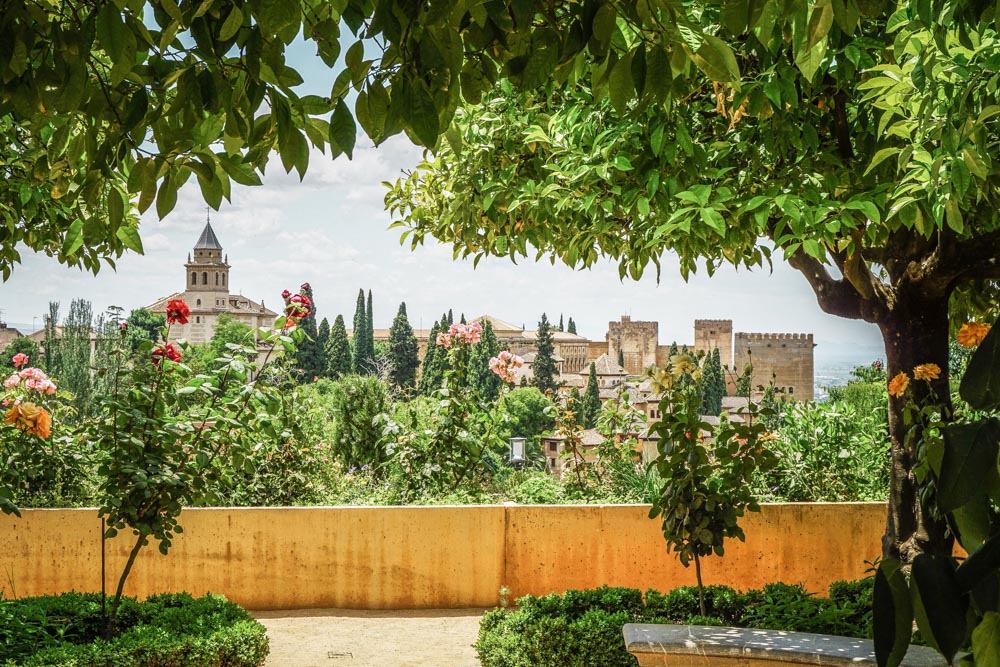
{"x": 233, "y": 508}
{"x": 651, "y": 643}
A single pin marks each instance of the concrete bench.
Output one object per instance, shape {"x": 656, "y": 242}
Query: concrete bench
{"x": 704, "y": 646}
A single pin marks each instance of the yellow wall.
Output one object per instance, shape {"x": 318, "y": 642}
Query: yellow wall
{"x": 424, "y": 557}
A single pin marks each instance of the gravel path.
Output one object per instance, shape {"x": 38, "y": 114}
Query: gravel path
{"x": 348, "y": 638}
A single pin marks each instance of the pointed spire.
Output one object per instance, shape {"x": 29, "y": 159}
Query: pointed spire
{"x": 208, "y": 240}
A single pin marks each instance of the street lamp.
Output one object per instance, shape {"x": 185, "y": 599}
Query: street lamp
{"x": 517, "y": 458}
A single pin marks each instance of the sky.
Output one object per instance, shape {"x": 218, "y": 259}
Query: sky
{"x": 331, "y": 230}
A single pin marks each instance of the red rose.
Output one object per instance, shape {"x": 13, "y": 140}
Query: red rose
{"x": 297, "y": 307}
{"x": 177, "y": 312}
{"x": 168, "y": 351}
{"x": 285, "y": 294}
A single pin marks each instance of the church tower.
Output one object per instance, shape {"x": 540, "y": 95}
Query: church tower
{"x": 208, "y": 271}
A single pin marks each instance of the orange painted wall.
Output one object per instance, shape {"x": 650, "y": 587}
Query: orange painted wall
{"x": 426, "y": 557}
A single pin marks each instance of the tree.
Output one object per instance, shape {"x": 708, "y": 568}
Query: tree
{"x": 403, "y": 352}
{"x": 143, "y": 325}
{"x": 323, "y": 337}
{"x": 338, "y": 351}
{"x": 364, "y": 354}
{"x": 529, "y": 411}
{"x": 358, "y": 403}
{"x": 712, "y": 383}
{"x": 621, "y": 358}
{"x": 75, "y": 353}
{"x": 484, "y": 381}
{"x": 590, "y": 409}
{"x": 561, "y": 322}
{"x": 544, "y": 366}
{"x": 51, "y": 350}
{"x": 571, "y": 326}
{"x": 432, "y": 368}
{"x": 309, "y": 355}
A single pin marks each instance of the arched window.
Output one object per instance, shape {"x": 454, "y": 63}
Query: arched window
{"x": 216, "y": 278}
{"x": 194, "y": 277}
{"x": 204, "y": 277}
{"x": 223, "y": 279}
{"x": 791, "y": 390}
{"x": 197, "y": 319}
{"x": 198, "y": 302}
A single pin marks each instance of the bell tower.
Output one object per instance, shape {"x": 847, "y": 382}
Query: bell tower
{"x": 208, "y": 269}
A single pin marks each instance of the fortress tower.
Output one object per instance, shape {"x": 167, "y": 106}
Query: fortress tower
{"x": 712, "y": 334}
{"x": 637, "y": 342}
{"x": 786, "y": 358}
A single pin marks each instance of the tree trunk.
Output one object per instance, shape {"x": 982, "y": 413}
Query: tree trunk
{"x": 915, "y": 332}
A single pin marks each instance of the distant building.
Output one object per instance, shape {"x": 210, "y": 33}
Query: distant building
{"x": 8, "y": 335}
{"x": 208, "y": 295}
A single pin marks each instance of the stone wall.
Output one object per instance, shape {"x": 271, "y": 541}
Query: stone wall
{"x": 786, "y": 358}
{"x": 429, "y": 557}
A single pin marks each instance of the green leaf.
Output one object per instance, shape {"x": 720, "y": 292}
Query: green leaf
{"x": 809, "y": 60}
{"x": 418, "y": 105}
{"x": 820, "y": 22}
{"x": 938, "y": 603}
{"x": 232, "y": 24}
{"x": 343, "y": 131}
{"x": 953, "y": 215}
{"x": 986, "y": 641}
{"x": 166, "y": 198}
{"x": 975, "y": 163}
{"x": 892, "y": 614}
{"x": 620, "y": 85}
{"x": 880, "y": 157}
{"x": 74, "y": 238}
{"x": 716, "y": 59}
{"x": 980, "y": 386}
{"x": 714, "y": 219}
{"x": 980, "y": 564}
{"x": 969, "y": 463}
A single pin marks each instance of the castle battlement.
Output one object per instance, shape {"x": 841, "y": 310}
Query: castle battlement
{"x": 788, "y": 339}
{"x": 714, "y": 323}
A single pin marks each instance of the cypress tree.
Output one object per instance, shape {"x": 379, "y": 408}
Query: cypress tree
{"x": 484, "y": 381}
{"x": 430, "y": 381}
{"x": 576, "y": 400}
{"x": 451, "y": 318}
{"x": 561, "y": 322}
{"x": 358, "y": 337}
{"x": 462, "y": 319}
{"x": 370, "y": 321}
{"x": 403, "y": 351}
{"x": 711, "y": 403}
{"x": 591, "y": 400}
{"x": 338, "y": 351}
{"x": 324, "y": 334}
{"x": 621, "y": 358}
{"x": 720, "y": 380}
{"x": 309, "y": 353}
{"x": 571, "y": 326}
{"x": 544, "y": 367}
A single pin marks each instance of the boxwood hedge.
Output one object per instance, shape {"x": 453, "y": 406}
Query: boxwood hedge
{"x": 584, "y": 628}
{"x": 171, "y": 630}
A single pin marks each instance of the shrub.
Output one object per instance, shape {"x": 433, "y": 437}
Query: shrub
{"x": 583, "y": 628}
{"x": 174, "y": 630}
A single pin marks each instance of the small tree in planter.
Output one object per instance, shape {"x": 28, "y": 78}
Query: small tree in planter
{"x": 955, "y": 605}
{"x": 706, "y": 486}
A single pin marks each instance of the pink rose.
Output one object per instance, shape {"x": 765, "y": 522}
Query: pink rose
{"x": 20, "y": 359}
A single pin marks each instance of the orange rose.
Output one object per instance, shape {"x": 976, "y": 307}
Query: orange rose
{"x": 30, "y": 418}
{"x": 927, "y": 372}
{"x": 898, "y": 385}
{"x": 972, "y": 334}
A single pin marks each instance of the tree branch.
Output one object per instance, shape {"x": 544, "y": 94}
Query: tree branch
{"x": 836, "y": 297}
{"x": 973, "y": 258}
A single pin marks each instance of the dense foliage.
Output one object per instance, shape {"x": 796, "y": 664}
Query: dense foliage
{"x": 172, "y": 630}
{"x": 584, "y": 627}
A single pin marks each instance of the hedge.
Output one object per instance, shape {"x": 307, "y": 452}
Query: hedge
{"x": 171, "y": 630}
{"x": 584, "y": 628}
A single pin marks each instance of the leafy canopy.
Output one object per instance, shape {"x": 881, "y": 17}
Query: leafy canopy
{"x": 855, "y": 139}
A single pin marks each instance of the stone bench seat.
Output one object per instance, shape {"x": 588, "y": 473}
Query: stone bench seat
{"x": 705, "y": 646}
